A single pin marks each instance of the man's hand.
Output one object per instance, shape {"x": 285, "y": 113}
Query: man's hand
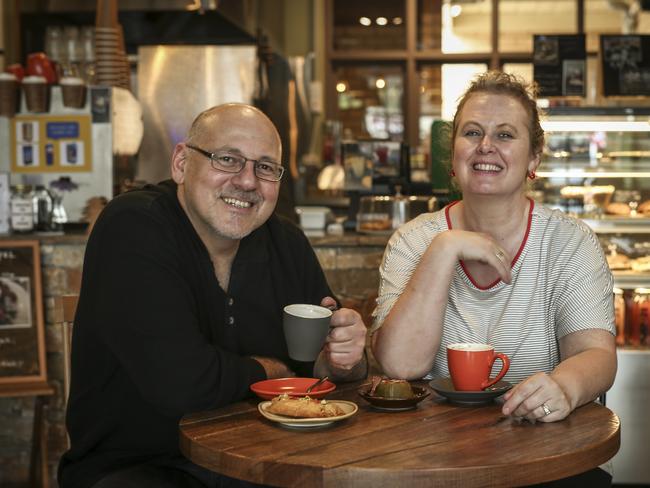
{"x": 347, "y": 337}
{"x": 274, "y": 368}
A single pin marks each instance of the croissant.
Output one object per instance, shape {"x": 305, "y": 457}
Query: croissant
{"x": 303, "y": 407}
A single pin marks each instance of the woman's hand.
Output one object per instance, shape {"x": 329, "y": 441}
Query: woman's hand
{"x": 538, "y": 398}
{"x": 477, "y": 246}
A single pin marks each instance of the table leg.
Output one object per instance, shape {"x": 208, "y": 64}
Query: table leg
{"x": 38, "y": 472}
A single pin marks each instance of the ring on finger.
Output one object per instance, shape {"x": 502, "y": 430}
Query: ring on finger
{"x": 499, "y": 254}
{"x": 547, "y": 411}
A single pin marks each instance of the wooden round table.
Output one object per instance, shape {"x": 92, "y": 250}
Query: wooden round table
{"x": 436, "y": 444}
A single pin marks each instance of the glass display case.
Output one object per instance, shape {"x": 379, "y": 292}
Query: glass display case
{"x": 596, "y": 166}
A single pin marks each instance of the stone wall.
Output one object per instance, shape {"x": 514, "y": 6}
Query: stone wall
{"x": 350, "y": 263}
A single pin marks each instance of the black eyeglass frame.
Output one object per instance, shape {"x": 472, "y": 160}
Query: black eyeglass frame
{"x": 213, "y": 163}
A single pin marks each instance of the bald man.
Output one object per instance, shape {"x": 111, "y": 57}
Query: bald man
{"x": 181, "y": 306}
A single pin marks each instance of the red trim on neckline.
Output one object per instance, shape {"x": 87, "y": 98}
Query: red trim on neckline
{"x": 514, "y": 260}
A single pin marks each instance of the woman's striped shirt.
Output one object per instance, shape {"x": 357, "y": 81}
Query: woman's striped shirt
{"x": 560, "y": 284}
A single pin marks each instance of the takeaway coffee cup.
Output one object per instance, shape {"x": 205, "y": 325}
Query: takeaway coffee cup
{"x": 305, "y": 329}
{"x": 470, "y": 365}
{"x": 73, "y": 91}
{"x": 9, "y": 95}
{"x": 37, "y": 93}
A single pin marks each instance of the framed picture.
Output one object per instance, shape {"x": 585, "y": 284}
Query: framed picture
{"x": 22, "y": 335}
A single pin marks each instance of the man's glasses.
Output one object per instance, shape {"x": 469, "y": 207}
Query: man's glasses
{"x": 234, "y": 163}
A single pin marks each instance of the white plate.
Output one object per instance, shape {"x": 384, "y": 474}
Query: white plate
{"x": 349, "y": 409}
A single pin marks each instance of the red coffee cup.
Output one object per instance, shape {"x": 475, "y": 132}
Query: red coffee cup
{"x": 470, "y": 365}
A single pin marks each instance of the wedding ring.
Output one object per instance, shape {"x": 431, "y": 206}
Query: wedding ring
{"x": 547, "y": 411}
{"x": 500, "y": 255}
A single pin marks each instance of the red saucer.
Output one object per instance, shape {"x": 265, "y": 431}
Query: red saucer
{"x": 269, "y": 389}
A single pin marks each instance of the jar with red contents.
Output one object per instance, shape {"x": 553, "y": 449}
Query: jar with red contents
{"x": 619, "y": 316}
{"x": 639, "y": 325}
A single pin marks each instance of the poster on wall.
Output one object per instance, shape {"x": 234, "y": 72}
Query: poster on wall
{"x": 22, "y": 339}
{"x": 625, "y": 64}
{"x": 51, "y": 143}
{"x": 559, "y": 65}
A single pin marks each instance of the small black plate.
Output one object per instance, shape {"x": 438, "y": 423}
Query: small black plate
{"x": 394, "y": 404}
{"x": 444, "y": 387}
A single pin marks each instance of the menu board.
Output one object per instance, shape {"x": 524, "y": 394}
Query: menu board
{"x": 22, "y": 343}
{"x": 559, "y": 65}
{"x": 625, "y": 65}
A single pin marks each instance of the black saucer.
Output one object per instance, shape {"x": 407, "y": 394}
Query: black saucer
{"x": 394, "y": 404}
{"x": 445, "y": 388}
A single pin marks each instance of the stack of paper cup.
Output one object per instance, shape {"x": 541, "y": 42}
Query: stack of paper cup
{"x": 9, "y": 95}
{"x": 74, "y": 92}
{"x": 111, "y": 64}
{"x": 37, "y": 93}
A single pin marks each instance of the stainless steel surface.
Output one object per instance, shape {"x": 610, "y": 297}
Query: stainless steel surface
{"x": 629, "y": 398}
{"x": 175, "y": 83}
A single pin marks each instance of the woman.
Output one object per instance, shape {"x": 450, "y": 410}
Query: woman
{"x": 498, "y": 268}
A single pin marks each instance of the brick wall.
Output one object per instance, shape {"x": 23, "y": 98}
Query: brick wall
{"x": 350, "y": 263}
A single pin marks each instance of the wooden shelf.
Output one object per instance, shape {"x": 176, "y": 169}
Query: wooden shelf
{"x": 26, "y": 389}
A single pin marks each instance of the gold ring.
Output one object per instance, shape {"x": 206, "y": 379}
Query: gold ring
{"x": 499, "y": 254}
{"x": 547, "y": 411}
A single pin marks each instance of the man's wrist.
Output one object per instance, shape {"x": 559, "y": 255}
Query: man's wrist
{"x": 358, "y": 371}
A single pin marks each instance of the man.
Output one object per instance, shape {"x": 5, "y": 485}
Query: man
{"x": 181, "y": 303}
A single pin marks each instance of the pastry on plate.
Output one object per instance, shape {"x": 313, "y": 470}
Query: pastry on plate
{"x": 618, "y": 208}
{"x": 618, "y": 261}
{"x": 641, "y": 264}
{"x": 390, "y": 388}
{"x": 303, "y": 407}
{"x": 644, "y": 207}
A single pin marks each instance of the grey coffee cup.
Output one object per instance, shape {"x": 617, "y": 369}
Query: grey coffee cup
{"x": 305, "y": 329}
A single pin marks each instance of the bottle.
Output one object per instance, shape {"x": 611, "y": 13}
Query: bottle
{"x": 22, "y": 209}
{"x": 619, "y": 316}
{"x": 42, "y": 202}
{"x": 640, "y": 323}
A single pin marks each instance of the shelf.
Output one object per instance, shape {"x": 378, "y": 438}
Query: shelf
{"x": 619, "y": 225}
{"x": 580, "y": 173}
{"x": 602, "y": 125}
{"x": 631, "y": 279}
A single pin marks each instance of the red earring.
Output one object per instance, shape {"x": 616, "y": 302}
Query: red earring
{"x": 452, "y": 173}
{"x": 531, "y": 174}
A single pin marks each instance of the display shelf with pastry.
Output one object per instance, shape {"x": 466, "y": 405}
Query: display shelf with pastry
{"x": 596, "y": 166}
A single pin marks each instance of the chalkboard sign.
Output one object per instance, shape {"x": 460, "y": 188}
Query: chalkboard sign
{"x": 559, "y": 65}
{"x": 22, "y": 340}
{"x": 625, "y": 65}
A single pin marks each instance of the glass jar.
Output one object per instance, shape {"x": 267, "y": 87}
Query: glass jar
{"x": 619, "y": 316}
{"x": 22, "y": 208}
{"x": 639, "y": 326}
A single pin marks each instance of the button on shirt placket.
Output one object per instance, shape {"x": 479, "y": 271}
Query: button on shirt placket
{"x": 230, "y": 317}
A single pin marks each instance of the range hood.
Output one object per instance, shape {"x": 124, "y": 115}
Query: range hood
{"x": 152, "y": 22}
